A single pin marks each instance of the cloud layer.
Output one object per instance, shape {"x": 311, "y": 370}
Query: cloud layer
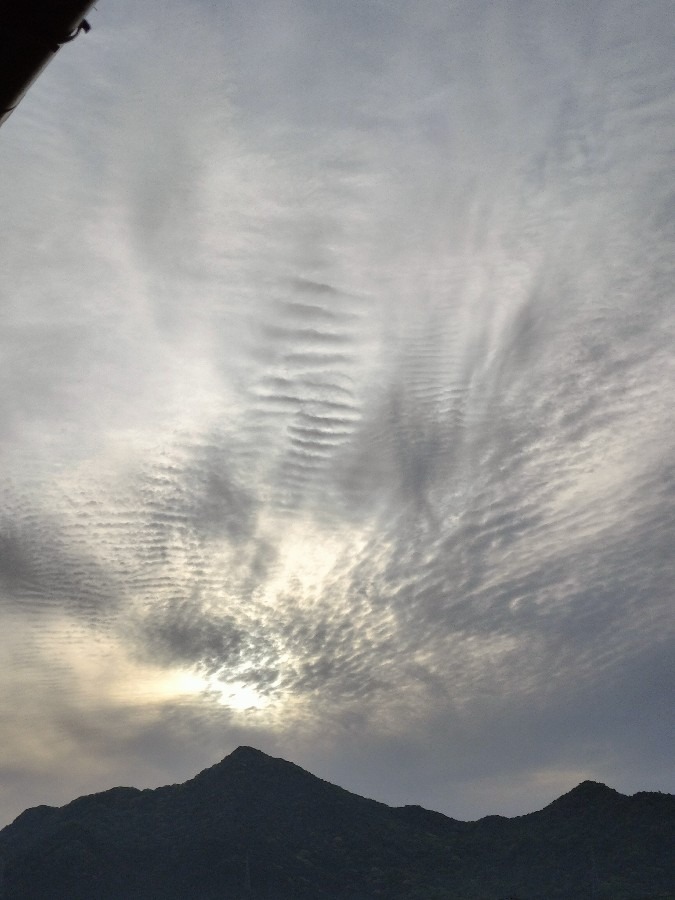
{"x": 336, "y": 375}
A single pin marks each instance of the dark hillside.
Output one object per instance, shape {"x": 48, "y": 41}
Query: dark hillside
{"x": 257, "y": 827}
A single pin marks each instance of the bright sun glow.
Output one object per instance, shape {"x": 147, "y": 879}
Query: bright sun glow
{"x": 105, "y": 670}
{"x": 236, "y": 695}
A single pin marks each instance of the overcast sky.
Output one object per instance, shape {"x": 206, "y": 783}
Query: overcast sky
{"x": 336, "y": 399}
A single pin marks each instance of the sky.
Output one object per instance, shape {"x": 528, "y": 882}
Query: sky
{"x": 336, "y": 400}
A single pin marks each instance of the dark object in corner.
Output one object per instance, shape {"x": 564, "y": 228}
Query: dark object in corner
{"x": 31, "y": 33}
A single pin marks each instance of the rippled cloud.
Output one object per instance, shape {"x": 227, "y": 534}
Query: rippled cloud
{"x": 335, "y": 402}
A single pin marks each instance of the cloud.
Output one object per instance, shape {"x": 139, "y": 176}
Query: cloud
{"x": 336, "y": 362}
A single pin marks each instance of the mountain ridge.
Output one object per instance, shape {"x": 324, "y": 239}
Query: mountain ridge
{"x": 257, "y": 826}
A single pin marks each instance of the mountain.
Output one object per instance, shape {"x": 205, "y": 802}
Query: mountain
{"x": 257, "y": 827}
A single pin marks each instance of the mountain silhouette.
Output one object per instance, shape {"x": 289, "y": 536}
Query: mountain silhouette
{"x": 257, "y": 827}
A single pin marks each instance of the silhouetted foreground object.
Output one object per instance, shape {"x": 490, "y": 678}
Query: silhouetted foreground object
{"x": 31, "y": 32}
{"x": 257, "y": 827}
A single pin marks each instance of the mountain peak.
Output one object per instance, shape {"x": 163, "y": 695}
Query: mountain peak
{"x": 251, "y": 764}
{"x": 593, "y": 790}
{"x": 243, "y": 755}
{"x": 587, "y": 794}
{"x": 244, "y": 752}
{"x": 250, "y": 757}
